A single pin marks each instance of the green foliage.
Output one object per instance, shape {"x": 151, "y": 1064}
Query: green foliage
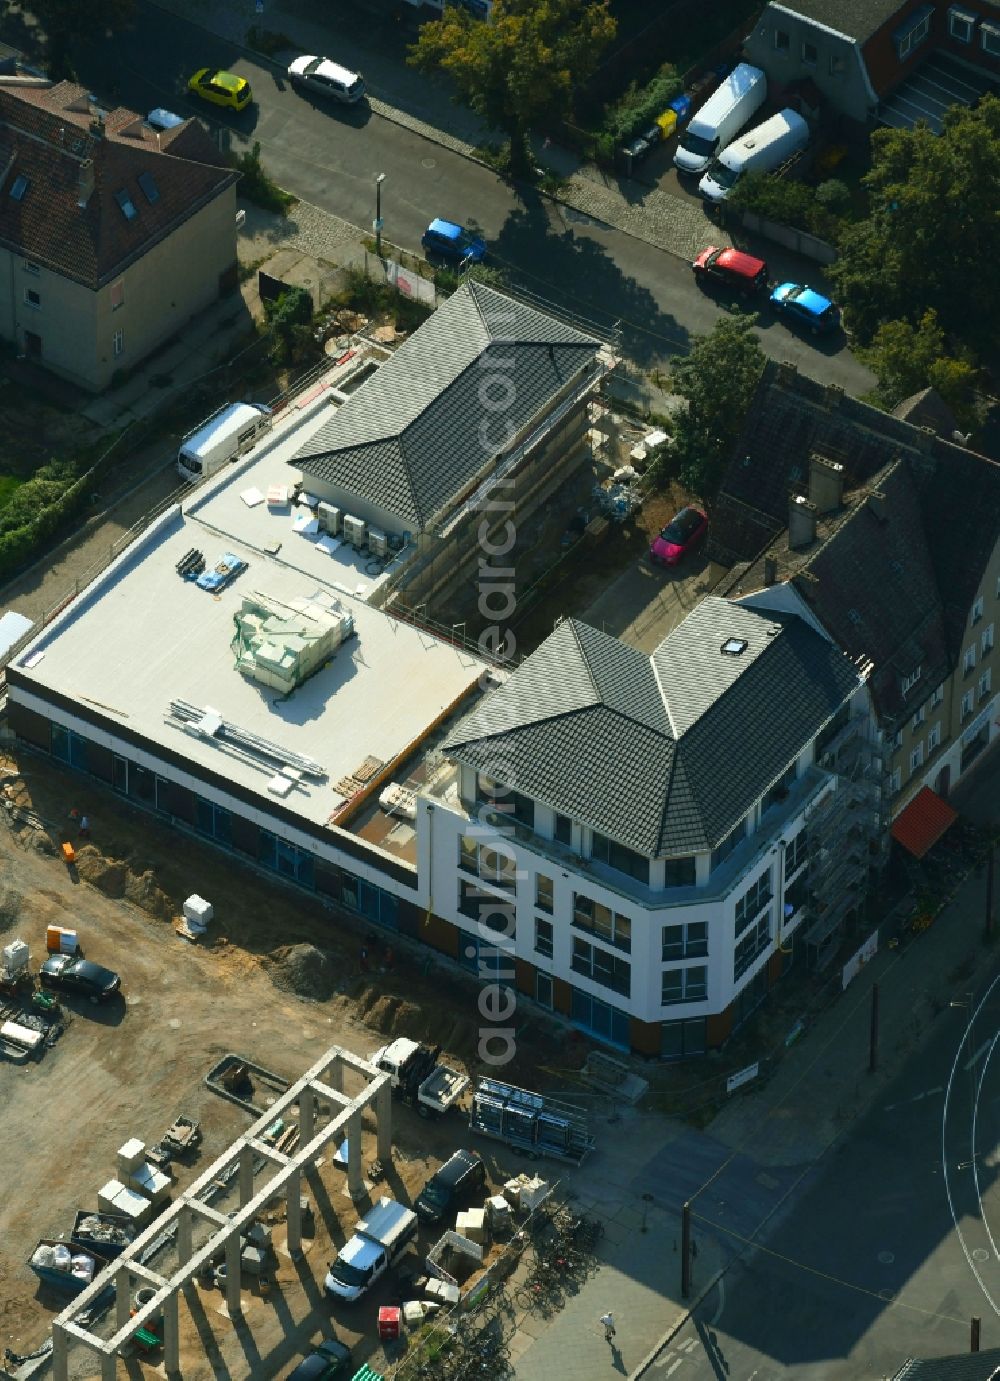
{"x": 523, "y": 66}
{"x": 362, "y": 294}
{"x": 9, "y": 484}
{"x": 930, "y": 237}
{"x": 67, "y": 23}
{"x": 636, "y": 110}
{"x": 834, "y": 196}
{"x": 787, "y": 201}
{"x": 447, "y": 280}
{"x": 267, "y": 41}
{"x": 39, "y": 508}
{"x": 289, "y": 317}
{"x": 257, "y": 187}
{"x": 906, "y": 358}
{"x": 717, "y": 381}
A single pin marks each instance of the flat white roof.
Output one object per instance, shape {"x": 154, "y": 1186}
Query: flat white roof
{"x": 140, "y": 636}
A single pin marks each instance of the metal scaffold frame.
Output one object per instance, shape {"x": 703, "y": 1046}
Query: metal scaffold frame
{"x": 324, "y": 1080}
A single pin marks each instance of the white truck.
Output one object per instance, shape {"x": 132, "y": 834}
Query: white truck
{"x": 379, "y": 1240}
{"x": 228, "y": 433}
{"x": 418, "y": 1078}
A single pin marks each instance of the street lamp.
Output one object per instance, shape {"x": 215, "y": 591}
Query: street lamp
{"x": 378, "y": 214}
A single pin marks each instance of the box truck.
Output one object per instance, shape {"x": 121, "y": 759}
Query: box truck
{"x": 228, "y": 433}
{"x": 760, "y": 150}
{"x": 721, "y": 118}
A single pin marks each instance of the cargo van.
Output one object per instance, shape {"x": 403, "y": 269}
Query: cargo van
{"x": 760, "y": 150}
{"x": 228, "y": 433}
{"x": 721, "y": 118}
{"x": 379, "y": 1240}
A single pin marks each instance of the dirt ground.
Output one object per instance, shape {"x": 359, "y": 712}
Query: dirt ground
{"x": 129, "y": 1070}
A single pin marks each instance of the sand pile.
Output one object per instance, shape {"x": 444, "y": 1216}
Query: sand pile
{"x": 115, "y": 878}
{"x": 303, "y": 970}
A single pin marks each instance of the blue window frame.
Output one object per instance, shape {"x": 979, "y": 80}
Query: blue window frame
{"x": 60, "y": 742}
{"x": 600, "y": 1019}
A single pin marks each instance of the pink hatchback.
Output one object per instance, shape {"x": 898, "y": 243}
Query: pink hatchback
{"x": 679, "y": 537}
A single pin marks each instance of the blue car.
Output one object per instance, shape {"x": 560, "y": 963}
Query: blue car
{"x": 806, "y": 306}
{"x": 451, "y": 241}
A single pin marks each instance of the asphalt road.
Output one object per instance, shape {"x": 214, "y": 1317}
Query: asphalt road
{"x": 330, "y": 158}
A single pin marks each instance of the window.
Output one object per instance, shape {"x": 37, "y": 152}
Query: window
{"x": 986, "y": 640}
{"x": 468, "y": 854}
{"x": 837, "y": 65}
{"x": 910, "y": 681}
{"x": 563, "y": 829}
{"x": 969, "y": 659}
{"x": 782, "y": 42}
{"x": 984, "y": 684}
{"x": 500, "y": 798}
{"x": 933, "y": 737}
{"x": 118, "y": 294}
{"x": 543, "y": 990}
{"x": 895, "y": 782}
{"x": 752, "y": 946}
{"x": 679, "y": 872}
{"x": 977, "y": 611}
{"x": 961, "y": 22}
{"x": 910, "y": 35}
{"x": 753, "y": 900}
{"x": 31, "y": 268}
{"x": 543, "y": 938}
{"x": 684, "y": 985}
{"x": 919, "y": 717}
{"x": 732, "y": 841}
{"x": 619, "y": 857}
{"x": 126, "y": 205}
{"x": 32, "y": 299}
{"x": 810, "y": 54}
{"x": 599, "y": 920}
{"x": 917, "y": 756}
{"x": 497, "y": 867}
{"x": 990, "y": 40}
{"x": 795, "y": 853}
{"x": 149, "y": 188}
{"x": 543, "y": 892}
{"x": 603, "y": 1020}
{"x": 601, "y": 967}
{"x": 685, "y": 941}
{"x": 967, "y": 703}
{"x": 118, "y": 343}
{"x": 895, "y": 742}
{"x": 938, "y": 695}
{"x": 18, "y": 187}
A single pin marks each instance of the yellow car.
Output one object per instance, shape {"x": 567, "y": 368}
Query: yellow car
{"x": 221, "y": 88}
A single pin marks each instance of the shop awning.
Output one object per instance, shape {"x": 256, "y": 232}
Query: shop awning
{"x": 923, "y": 822}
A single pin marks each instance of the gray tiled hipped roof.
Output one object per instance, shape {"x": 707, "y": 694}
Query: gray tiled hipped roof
{"x": 665, "y": 754}
{"x": 411, "y": 440}
{"x": 858, "y": 19}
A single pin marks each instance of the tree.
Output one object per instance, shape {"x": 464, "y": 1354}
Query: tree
{"x": 906, "y": 358}
{"x": 66, "y": 22}
{"x": 716, "y": 381}
{"x": 522, "y": 66}
{"x": 930, "y": 237}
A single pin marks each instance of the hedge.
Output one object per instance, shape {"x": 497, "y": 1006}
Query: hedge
{"x": 636, "y": 110}
{"x": 21, "y": 540}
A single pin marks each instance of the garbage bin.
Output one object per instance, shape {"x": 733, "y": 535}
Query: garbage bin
{"x": 681, "y": 106}
{"x": 389, "y": 1321}
{"x": 667, "y": 123}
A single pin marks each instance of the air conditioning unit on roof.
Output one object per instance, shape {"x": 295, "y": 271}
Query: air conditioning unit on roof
{"x": 355, "y": 530}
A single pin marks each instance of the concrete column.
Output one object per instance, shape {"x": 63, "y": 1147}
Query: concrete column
{"x": 246, "y": 1175}
{"x": 123, "y": 1303}
{"x": 293, "y": 1216}
{"x": 355, "y": 1177}
{"x": 60, "y": 1353}
{"x": 334, "y": 1076}
{"x": 171, "y": 1337}
{"x": 233, "y": 1302}
{"x": 383, "y": 1119}
{"x": 307, "y": 1117}
{"x": 184, "y": 1235}
{"x": 109, "y": 1366}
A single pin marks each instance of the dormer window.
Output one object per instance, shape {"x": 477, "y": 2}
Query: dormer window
{"x": 910, "y": 681}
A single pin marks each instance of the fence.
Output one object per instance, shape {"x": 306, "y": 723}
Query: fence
{"x": 798, "y": 240}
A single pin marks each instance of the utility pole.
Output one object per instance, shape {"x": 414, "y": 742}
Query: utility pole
{"x": 974, "y": 1339}
{"x": 873, "y": 1043}
{"x": 686, "y": 1251}
{"x": 378, "y": 214}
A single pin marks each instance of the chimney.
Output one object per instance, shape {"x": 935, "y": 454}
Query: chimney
{"x": 86, "y": 182}
{"x": 787, "y": 374}
{"x": 770, "y": 570}
{"x": 826, "y": 484}
{"x": 877, "y": 505}
{"x": 925, "y": 439}
{"x": 833, "y": 396}
{"x": 801, "y": 522}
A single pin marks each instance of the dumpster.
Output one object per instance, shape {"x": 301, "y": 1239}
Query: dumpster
{"x": 681, "y": 106}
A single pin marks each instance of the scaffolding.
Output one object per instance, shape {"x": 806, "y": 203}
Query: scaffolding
{"x": 848, "y": 835}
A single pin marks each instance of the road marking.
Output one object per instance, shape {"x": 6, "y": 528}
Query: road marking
{"x": 917, "y": 1098}
{"x": 674, "y": 1365}
{"x": 981, "y": 1051}
{"x": 686, "y": 1347}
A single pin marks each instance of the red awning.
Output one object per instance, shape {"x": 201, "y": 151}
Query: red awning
{"x": 923, "y": 822}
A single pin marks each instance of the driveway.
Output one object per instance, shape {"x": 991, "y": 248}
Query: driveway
{"x": 647, "y": 601}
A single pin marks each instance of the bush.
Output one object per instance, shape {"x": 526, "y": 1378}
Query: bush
{"x": 787, "y": 201}
{"x": 637, "y": 109}
{"x": 290, "y": 316}
{"x": 257, "y": 187}
{"x": 834, "y": 196}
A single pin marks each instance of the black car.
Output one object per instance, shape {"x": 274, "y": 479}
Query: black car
{"x": 329, "y": 1359}
{"x": 455, "y": 1183}
{"x": 80, "y": 976}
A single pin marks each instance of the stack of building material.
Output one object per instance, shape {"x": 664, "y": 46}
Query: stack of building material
{"x": 443, "y": 1291}
{"x": 197, "y": 914}
{"x": 116, "y": 1197}
{"x": 533, "y": 1192}
{"x": 138, "y": 1175}
{"x": 472, "y": 1225}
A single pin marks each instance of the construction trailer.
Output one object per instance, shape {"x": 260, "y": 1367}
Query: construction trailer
{"x": 537, "y": 1125}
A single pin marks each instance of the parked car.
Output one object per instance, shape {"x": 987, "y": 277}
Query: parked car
{"x": 455, "y": 1183}
{"x": 72, "y": 975}
{"x": 806, "y": 307}
{"x": 731, "y": 268}
{"x": 331, "y": 1358}
{"x": 221, "y": 88}
{"x": 681, "y": 535}
{"x": 451, "y": 241}
{"x": 326, "y": 78}
{"x": 163, "y": 119}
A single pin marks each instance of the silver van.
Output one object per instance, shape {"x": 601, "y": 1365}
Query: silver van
{"x": 228, "y": 433}
{"x": 760, "y": 150}
{"x": 325, "y": 78}
{"x": 721, "y": 118}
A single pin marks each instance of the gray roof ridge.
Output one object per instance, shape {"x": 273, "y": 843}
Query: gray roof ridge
{"x": 473, "y": 292}
{"x": 575, "y": 625}
{"x": 663, "y": 695}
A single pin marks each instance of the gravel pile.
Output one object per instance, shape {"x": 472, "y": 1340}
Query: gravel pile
{"x": 303, "y": 970}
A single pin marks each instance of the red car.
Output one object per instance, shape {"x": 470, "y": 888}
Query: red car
{"x": 679, "y": 537}
{"x": 731, "y": 268}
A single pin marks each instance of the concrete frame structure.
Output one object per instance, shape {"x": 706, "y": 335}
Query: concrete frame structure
{"x": 325, "y": 1079}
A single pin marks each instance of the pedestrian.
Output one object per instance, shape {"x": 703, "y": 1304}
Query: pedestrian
{"x": 608, "y": 1320}
{"x": 364, "y": 958}
{"x": 84, "y": 827}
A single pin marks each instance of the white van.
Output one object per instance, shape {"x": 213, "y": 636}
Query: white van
{"x": 228, "y": 433}
{"x": 760, "y": 150}
{"x": 721, "y": 118}
{"x": 379, "y": 1240}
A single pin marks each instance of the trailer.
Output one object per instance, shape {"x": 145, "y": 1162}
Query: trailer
{"x": 540, "y": 1126}
{"x": 52, "y": 1262}
{"x": 418, "y": 1078}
